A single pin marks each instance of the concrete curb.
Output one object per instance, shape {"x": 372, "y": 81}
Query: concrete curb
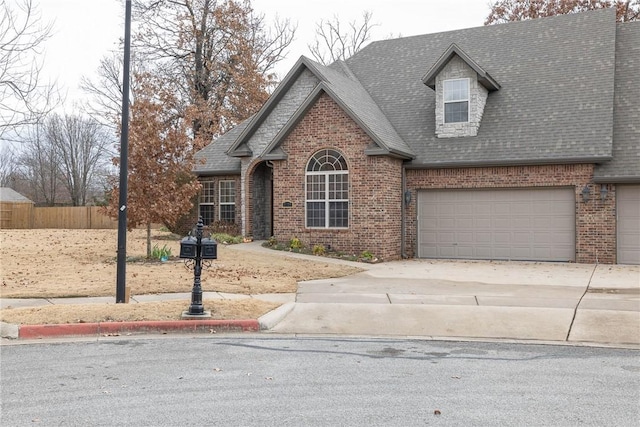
{"x": 119, "y": 328}
{"x": 272, "y": 318}
{"x": 265, "y": 322}
{"x": 8, "y": 330}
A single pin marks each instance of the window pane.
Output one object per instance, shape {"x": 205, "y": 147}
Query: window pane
{"x": 228, "y": 213}
{"x": 327, "y": 160}
{"x": 455, "y": 112}
{"x": 208, "y": 192}
{"x": 207, "y": 213}
{"x": 315, "y": 214}
{"x": 456, "y": 90}
{"x": 315, "y": 187}
{"x": 227, "y": 192}
{"x": 338, "y": 187}
{"x": 339, "y": 214}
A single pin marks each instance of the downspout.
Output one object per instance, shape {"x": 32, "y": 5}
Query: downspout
{"x": 403, "y": 211}
{"x": 269, "y": 164}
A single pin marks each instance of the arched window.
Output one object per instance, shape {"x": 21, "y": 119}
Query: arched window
{"x": 327, "y": 190}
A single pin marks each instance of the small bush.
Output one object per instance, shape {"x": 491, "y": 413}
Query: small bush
{"x": 366, "y": 255}
{"x": 295, "y": 243}
{"x": 319, "y": 250}
{"x": 224, "y": 227}
{"x": 161, "y": 254}
{"x": 227, "y": 239}
{"x": 271, "y": 242}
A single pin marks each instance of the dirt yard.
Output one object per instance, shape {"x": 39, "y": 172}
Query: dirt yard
{"x": 77, "y": 263}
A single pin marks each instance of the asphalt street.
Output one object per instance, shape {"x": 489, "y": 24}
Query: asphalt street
{"x": 258, "y": 380}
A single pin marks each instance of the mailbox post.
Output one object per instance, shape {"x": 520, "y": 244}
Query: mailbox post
{"x": 194, "y": 250}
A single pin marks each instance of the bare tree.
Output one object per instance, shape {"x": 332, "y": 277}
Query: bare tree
{"x": 8, "y": 164}
{"x": 518, "y": 10}
{"x": 24, "y": 99}
{"x": 81, "y": 146}
{"x": 38, "y": 163}
{"x": 218, "y": 55}
{"x": 105, "y": 104}
{"x": 333, "y": 42}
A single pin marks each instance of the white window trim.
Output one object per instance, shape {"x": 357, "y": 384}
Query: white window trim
{"x": 207, "y": 203}
{"x": 468, "y": 100}
{"x": 220, "y": 202}
{"x": 326, "y": 199}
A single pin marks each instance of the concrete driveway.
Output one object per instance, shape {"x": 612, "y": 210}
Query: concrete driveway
{"x": 556, "y": 302}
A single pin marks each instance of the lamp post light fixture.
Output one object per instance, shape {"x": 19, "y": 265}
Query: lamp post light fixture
{"x": 604, "y": 190}
{"x": 194, "y": 250}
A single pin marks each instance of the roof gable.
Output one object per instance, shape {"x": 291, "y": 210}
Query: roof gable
{"x": 346, "y": 91}
{"x": 484, "y": 78}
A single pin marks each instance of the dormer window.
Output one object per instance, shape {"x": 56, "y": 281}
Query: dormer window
{"x": 456, "y": 100}
{"x": 462, "y": 87}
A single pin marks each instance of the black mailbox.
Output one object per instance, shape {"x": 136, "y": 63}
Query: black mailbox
{"x": 188, "y": 247}
{"x": 209, "y": 249}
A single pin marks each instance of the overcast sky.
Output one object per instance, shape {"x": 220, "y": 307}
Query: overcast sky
{"x": 85, "y": 30}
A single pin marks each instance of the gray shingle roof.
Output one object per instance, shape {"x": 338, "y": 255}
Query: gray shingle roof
{"x": 213, "y": 159}
{"x": 554, "y": 104}
{"x": 625, "y": 166}
{"x": 10, "y": 195}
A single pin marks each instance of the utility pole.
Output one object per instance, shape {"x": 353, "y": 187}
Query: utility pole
{"x": 121, "y": 276}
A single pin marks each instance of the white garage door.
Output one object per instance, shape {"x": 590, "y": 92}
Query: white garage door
{"x": 501, "y": 224}
{"x": 628, "y": 211}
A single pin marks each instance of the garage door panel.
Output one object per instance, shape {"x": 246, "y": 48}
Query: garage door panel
{"x": 483, "y": 208}
{"x": 628, "y": 223}
{"x": 519, "y": 223}
{"x": 464, "y": 223}
{"x": 522, "y": 238}
{"x": 483, "y": 237}
{"x": 516, "y": 224}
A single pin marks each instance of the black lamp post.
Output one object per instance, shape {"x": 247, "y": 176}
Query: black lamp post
{"x": 194, "y": 250}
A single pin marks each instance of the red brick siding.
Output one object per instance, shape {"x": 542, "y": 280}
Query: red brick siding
{"x": 375, "y": 187}
{"x": 595, "y": 220}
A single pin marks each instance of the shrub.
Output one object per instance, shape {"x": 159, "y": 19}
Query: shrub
{"x": 271, "y": 242}
{"x": 319, "y": 250}
{"x": 227, "y": 238}
{"x": 366, "y": 255}
{"x": 161, "y": 254}
{"x": 295, "y": 243}
{"x": 224, "y": 227}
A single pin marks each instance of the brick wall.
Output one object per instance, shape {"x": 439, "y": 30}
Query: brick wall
{"x": 595, "y": 220}
{"x": 375, "y": 187}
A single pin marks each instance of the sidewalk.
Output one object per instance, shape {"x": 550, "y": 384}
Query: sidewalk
{"x": 557, "y": 302}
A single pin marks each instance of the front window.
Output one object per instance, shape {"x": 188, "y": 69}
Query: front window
{"x": 207, "y": 202}
{"x": 327, "y": 191}
{"x": 228, "y": 201}
{"x": 456, "y": 101}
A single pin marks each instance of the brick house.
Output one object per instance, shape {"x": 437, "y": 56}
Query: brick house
{"x": 518, "y": 141}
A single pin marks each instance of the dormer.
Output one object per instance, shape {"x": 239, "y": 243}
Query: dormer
{"x": 462, "y": 88}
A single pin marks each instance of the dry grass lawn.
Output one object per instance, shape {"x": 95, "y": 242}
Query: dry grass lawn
{"x": 78, "y": 263}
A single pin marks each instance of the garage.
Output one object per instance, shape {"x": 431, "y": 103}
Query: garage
{"x": 628, "y": 220}
{"x": 497, "y": 224}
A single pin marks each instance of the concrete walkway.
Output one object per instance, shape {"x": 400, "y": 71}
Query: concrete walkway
{"x": 557, "y": 302}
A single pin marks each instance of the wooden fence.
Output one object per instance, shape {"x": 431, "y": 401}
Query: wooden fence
{"x": 25, "y": 215}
